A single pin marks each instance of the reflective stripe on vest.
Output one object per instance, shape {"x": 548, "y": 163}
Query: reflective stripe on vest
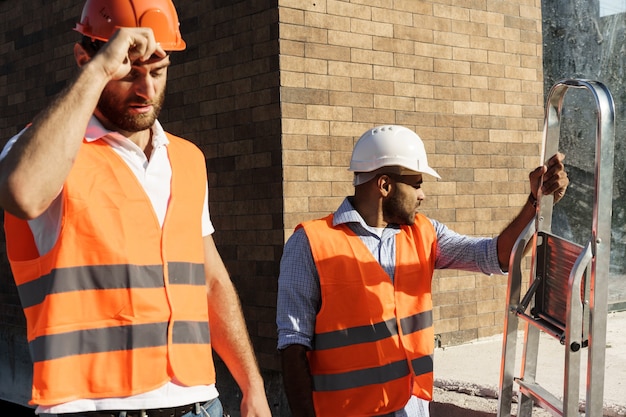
{"x": 102, "y": 277}
{"x": 109, "y": 339}
{"x": 373, "y": 332}
{"x": 119, "y": 305}
{"x": 361, "y": 377}
{"x": 365, "y": 359}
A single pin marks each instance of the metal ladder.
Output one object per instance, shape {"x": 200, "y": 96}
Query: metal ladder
{"x": 568, "y": 285}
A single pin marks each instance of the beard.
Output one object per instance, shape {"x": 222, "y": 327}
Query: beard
{"x": 395, "y": 211}
{"x": 114, "y": 111}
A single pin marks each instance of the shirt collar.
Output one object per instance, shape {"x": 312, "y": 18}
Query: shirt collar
{"x": 96, "y": 131}
{"x": 346, "y": 213}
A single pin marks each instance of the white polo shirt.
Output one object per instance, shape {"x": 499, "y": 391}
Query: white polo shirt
{"x": 154, "y": 175}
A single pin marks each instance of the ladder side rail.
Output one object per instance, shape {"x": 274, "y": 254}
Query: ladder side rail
{"x": 551, "y": 136}
{"x": 601, "y": 239}
{"x": 509, "y": 340}
{"x": 528, "y": 373}
{"x": 573, "y": 334}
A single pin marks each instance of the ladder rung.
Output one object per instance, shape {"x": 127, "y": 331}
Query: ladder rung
{"x": 543, "y": 325}
{"x": 541, "y": 396}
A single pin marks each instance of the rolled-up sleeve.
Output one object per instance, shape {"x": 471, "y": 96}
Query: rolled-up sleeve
{"x": 456, "y": 251}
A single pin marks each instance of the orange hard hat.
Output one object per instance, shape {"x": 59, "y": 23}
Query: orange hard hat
{"x": 101, "y": 19}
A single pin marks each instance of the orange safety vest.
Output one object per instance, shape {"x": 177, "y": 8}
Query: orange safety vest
{"x": 118, "y": 306}
{"x": 374, "y": 339}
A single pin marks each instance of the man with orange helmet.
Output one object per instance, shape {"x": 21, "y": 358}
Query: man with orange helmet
{"x": 110, "y": 240}
{"x": 355, "y": 314}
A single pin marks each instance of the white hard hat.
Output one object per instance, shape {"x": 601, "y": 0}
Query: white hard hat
{"x": 390, "y": 146}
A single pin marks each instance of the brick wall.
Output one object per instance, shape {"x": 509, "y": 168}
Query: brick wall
{"x": 467, "y": 76}
{"x": 224, "y": 96}
{"x": 35, "y": 61}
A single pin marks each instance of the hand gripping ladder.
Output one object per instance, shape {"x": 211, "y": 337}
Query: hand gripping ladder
{"x": 568, "y": 285}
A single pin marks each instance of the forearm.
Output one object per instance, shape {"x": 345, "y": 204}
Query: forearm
{"x": 297, "y": 381}
{"x": 508, "y": 237}
{"x": 34, "y": 170}
{"x": 229, "y": 335}
{"x": 550, "y": 179}
{"x": 230, "y": 339}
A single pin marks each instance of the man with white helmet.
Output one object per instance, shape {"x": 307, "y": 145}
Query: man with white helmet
{"x": 110, "y": 240}
{"x": 355, "y": 323}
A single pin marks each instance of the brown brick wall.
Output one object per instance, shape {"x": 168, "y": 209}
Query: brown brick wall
{"x": 467, "y": 76}
{"x": 228, "y": 103}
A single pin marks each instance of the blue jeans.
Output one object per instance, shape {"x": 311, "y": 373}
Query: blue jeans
{"x": 212, "y": 408}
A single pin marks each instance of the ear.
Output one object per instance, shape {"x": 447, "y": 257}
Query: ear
{"x": 80, "y": 55}
{"x": 384, "y": 185}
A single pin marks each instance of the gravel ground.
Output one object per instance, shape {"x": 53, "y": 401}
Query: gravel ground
{"x": 463, "y": 400}
{"x": 455, "y": 399}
